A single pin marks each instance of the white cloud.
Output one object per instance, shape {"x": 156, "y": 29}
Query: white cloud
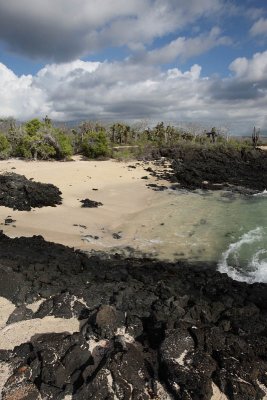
{"x": 184, "y": 48}
{"x": 63, "y": 30}
{"x": 259, "y": 28}
{"x": 17, "y": 96}
{"x": 254, "y": 69}
{"x": 128, "y": 91}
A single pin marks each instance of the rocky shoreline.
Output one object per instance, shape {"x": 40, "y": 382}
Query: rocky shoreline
{"x": 79, "y": 326}
{"x": 195, "y": 167}
{"x": 144, "y": 329}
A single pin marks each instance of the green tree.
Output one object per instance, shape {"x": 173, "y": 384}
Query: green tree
{"x": 32, "y": 126}
{"x": 44, "y": 141}
{"x": 35, "y": 147}
{"x": 64, "y": 145}
{"x": 5, "y": 146}
{"x": 95, "y": 144}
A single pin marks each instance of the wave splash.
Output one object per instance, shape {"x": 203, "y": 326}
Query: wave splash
{"x": 261, "y": 194}
{"x": 246, "y": 259}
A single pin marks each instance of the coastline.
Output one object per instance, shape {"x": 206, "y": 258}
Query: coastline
{"x": 163, "y": 327}
{"x": 137, "y": 216}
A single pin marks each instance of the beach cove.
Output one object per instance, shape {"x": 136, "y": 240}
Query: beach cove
{"x": 171, "y": 224}
{"x": 137, "y": 294}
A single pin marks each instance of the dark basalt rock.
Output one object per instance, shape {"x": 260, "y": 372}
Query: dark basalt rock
{"x": 157, "y": 188}
{"x": 87, "y": 203}
{"x": 9, "y": 221}
{"x": 20, "y": 193}
{"x": 21, "y": 313}
{"x": 116, "y": 235}
{"x": 148, "y": 329}
{"x": 218, "y": 167}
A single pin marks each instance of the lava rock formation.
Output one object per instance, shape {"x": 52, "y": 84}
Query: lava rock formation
{"x": 20, "y": 193}
{"x": 148, "y": 329}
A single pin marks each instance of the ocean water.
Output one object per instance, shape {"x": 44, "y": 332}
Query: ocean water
{"x": 222, "y": 227}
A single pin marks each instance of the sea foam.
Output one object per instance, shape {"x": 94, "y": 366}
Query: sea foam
{"x": 264, "y": 193}
{"x": 255, "y": 268}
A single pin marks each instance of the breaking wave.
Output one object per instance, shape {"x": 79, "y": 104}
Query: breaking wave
{"x": 246, "y": 259}
{"x": 264, "y": 193}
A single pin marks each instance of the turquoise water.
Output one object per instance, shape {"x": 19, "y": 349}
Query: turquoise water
{"x": 221, "y": 227}
{"x": 245, "y": 257}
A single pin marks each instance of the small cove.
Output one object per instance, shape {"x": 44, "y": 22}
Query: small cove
{"x": 222, "y": 227}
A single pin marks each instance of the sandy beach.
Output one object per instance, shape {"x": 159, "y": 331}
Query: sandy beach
{"x": 166, "y": 224}
{"x": 119, "y": 187}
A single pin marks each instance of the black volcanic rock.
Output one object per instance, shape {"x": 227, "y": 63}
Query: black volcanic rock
{"x": 148, "y": 329}
{"x": 20, "y": 193}
{"x": 87, "y": 203}
{"x": 217, "y": 166}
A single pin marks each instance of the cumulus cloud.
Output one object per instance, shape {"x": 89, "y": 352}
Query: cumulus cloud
{"x": 184, "y": 48}
{"x": 245, "y": 93}
{"x": 119, "y": 90}
{"x": 17, "y": 95}
{"x": 63, "y": 30}
{"x": 129, "y": 91}
{"x": 259, "y": 28}
{"x": 251, "y": 70}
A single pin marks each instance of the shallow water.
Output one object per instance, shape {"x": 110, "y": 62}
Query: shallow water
{"x": 206, "y": 226}
{"x": 221, "y": 227}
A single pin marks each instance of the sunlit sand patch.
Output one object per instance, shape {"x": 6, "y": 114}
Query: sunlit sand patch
{"x": 6, "y": 309}
{"x": 21, "y": 332}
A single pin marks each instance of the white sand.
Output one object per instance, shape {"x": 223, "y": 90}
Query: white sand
{"x": 6, "y": 308}
{"x": 120, "y": 189}
{"x": 217, "y": 394}
{"x": 35, "y": 306}
{"x": 21, "y": 332}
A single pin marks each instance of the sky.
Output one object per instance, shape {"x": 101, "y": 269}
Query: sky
{"x": 195, "y": 62}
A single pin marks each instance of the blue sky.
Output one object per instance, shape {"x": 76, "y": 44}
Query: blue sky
{"x": 199, "y": 62}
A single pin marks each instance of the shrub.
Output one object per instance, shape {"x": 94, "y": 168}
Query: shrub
{"x": 34, "y": 147}
{"x": 95, "y": 144}
{"x": 5, "y": 147}
{"x": 123, "y": 155}
{"x": 32, "y": 126}
{"x": 64, "y": 142}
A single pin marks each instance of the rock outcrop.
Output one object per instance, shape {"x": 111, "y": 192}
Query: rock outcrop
{"x": 216, "y": 167}
{"x": 20, "y": 193}
{"x": 147, "y": 329}
{"x": 87, "y": 203}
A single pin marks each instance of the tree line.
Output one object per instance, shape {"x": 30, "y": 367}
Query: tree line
{"x": 41, "y": 139}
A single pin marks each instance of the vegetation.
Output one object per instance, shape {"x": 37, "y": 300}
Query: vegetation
{"x": 95, "y": 144}
{"x": 35, "y": 147}
{"x": 64, "y": 145}
{"x": 41, "y": 139}
{"x": 5, "y": 146}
